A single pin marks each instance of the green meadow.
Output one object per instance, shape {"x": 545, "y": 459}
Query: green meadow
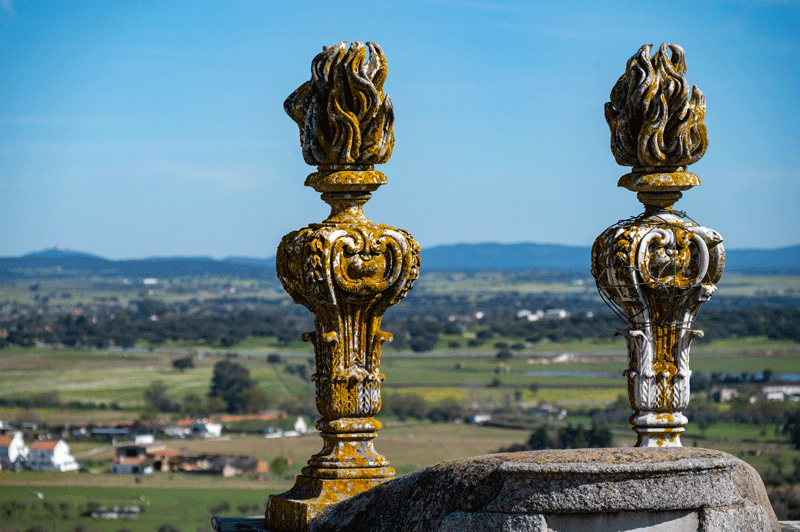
{"x": 593, "y": 379}
{"x": 121, "y": 377}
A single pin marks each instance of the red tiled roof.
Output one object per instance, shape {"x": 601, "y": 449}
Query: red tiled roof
{"x": 165, "y": 452}
{"x": 5, "y": 441}
{"x": 44, "y": 445}
{"x": 247, "y": 417}
{"x": 124, "y": 460}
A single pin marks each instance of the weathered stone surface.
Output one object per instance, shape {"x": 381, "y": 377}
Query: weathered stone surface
{"x": 420, "y": 500}
{"x": 347, "y": 270}
{"x": 658, "y": 267}
{"x": 615, "y": 480}
{"x": 747, "y": 518}
{"x": 608, "y": 489}
{"x": 675, "y": 521}
{"x": 461, "y": 521}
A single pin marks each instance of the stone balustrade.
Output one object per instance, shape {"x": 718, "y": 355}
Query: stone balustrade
{"x": 347, "y": 270}
{"x": 655, "y": 269}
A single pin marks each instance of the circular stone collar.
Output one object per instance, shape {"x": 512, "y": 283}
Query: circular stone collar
{"x": 653, "y": 179}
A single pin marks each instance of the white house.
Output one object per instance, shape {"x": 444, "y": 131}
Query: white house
{"x": 13, "y": 451}
{"x": 51, "y": 455}
{"x": 781, "y": 392}
{"x": 200, "y": 429}
{"x": 556, "y": 314}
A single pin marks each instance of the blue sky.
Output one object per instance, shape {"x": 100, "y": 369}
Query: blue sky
{"x": 152, "y": 128}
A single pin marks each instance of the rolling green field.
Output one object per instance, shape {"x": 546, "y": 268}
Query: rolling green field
{"x": 187, "y": 508}
{"x": 187, "y": 500}
{"x": 98, "y": 376}
{"x": 591, "y": 379}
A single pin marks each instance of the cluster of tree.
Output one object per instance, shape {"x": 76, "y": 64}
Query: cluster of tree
{"x": 779, "y": 474}
{"x": 156, "y": 398}
{"x": 231, "y": 390}
{"x": 32, "y": 511}
{"x": 569, "y": 437}
{"x": 246, "y": 508}
{"x": 770, "y": 322}
{"x": 773, "y": 323}
{"x": 791, "y": 429}
{"x": 702, "y": 381}
{"x": 301, "y": 371}
{"x": 156, "y": 323}
{"x": 152, "y": 324}
{"x": 422, "y": 334}
{"x": 232, "y": 383}
{"x": 784, "y": 417}
{"x": 782, "y": 484}
{"x": 784, "y": 501}
{"x": 183, "y": 363}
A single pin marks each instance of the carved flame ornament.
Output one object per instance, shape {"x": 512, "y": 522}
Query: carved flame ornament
{"x": 657, "y": 268}
{"x": 655, "y": 119}
{"x": 347, "y": 271}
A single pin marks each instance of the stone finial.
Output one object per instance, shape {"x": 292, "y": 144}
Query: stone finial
{"x": 342, "y": 112}
{"x": 657, "y": 268}
{"x": 347, "y": 271}
{"x": 655, "y": 119}
{"x": 657, "y": 125}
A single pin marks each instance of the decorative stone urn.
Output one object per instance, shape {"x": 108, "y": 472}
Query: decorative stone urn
{"x": 347, "y": 271}
{"x": 657, "y": 268}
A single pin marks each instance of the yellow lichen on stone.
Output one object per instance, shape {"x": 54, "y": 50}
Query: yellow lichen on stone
{"x": 347, "y": 270}
{"x": 654, "y": 117}
{"x": 657, "y": 268}
{"x": 342, "y": 112}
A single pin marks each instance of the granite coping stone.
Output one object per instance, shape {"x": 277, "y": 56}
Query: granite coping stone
{"x": 563, "y": 482}
{"x": 677, "y": 482}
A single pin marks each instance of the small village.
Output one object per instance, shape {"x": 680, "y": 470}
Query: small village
{"x": 137, "y": 452}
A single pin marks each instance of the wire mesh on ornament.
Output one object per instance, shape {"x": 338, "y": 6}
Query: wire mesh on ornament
{"x": 676, "y": 296}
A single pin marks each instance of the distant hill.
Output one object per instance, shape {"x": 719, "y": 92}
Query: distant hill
{"x": 780, "y": 260}
{"x": 60, "y": 263}
{"x": 493, "y": 256}
{"x": 527, "y": 256}
{"x": 64, "y": 264}
{"x": 58, "y": 253}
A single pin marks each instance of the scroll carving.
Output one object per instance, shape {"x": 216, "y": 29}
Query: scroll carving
{"x": 657, "y": 268}
{"x": 347, "y": 270}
